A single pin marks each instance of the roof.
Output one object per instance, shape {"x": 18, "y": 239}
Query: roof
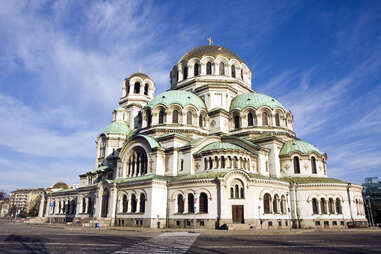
{"x": 139, "y": 74}
{"x": 217, "y": 146}
{"x": 181, "y": 97}
{"x": 255, "y": 100}
{"x": 312, "y": 180}
{"x": 100, "y": 169}
{"x": 152, "y": 141}
{"x": 210, "y": 50}
{"x": 298, "y": 146}
{"x": 117, "y": 128}
{"x": 60, "y": 185}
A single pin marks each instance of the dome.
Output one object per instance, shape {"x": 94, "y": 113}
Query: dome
{"x": 220, "y": 146}
{"x": 298, "y": 146}
{"x": 117, "y": 128}
{"x": 210, "y": 50}
{"x": 60, "y": 185}
{"x": 177, "y": 97}
{"x": 255, "y": 100}
{"x": 140, "y": 75}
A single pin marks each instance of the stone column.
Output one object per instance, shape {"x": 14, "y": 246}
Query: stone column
{"x": 137, "y": 204}
{"x": 185, "y": 204}
{"x": 113, "y": 199}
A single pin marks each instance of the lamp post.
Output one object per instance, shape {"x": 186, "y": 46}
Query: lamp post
{"x": 259, "y": 215}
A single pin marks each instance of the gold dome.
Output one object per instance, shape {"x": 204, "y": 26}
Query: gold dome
{"x": 210, "y": 50}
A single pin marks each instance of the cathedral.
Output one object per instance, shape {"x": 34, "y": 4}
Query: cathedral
{"x": 211, "y": 153}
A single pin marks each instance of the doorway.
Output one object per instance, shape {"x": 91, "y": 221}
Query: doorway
{"x": 237, "y": 214}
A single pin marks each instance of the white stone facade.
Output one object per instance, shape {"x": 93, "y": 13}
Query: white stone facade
{"x": 208, "y": 153}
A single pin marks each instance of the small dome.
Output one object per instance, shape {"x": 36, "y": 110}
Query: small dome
{"x": 117, "y": 128}
{"x": 210, "y": 50}
{"x": 221, "y": 146}
{"x": 181, "y": 97}
{"x": 140, "y": 75}
{"x": 60, "y": 185}
{"x": 298, "y": 146}
{"x": 255, "y": 100}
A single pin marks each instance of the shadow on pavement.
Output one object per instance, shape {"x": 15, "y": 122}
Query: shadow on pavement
{"x": 31, "y": 244}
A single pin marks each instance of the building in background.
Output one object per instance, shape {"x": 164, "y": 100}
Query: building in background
{"x": 24, "y": 202}
{"x": 372, "y": 198}
{"x": 4, "y": 207}
{"x": 210, "y": 152}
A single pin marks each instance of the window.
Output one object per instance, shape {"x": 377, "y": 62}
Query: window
{"x": 133, "y": 203}
{"x": 266, "y": 203}
{"x": 146, "y": 89}
{"x": 231, "y": 192}
{"x": 277, "y": 119}
{"x": 185, "y": 72}
{"x": 331, "y": 206}
{"x": 128, "y": 89}
{"x": 161, "y": 116}
{"x": 175, "y": 116}
{"x": 296, "y": 165}
{"x": 195, "y": 70}
{"x": 323, "y": 205}
{"x": 137, "y": 88}
{"x": 236, "y": 122}
{"x": 83, "y": 205}
{"x": 189, "y": 118}
{"x": 209, "y": 68}
{"x": 142, "y": 207}
{"x": 265, "y": 119}
{"x": 205, "y": 164}
{"x": 275, "y": 204}
{"x": 210, "y": 163}
{"x": 180, "y": 203}
{"x": 250, "y": 119}
{"x": 124, "y": 204}
{"x": 222, "y": 68}
{"x": 315, "y": 208}
{"x": 181, "y": 165}
{"x": 283, "y": 205}
{"x": 190, "y": 203}
{"x": 233, "y": 71}
{"x": 201, "y": 121}
{"x": 203, "y": 203}
{"x": 149, "y": 118}
{"x": 338, "y": 206}
{"x": 222, "y": 162}
{"x": 313, "y": 165}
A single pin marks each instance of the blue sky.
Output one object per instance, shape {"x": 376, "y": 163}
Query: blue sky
{"x": 62, "y": 64}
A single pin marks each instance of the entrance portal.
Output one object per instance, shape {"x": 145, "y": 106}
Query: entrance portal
{"x": 237, "y": 214}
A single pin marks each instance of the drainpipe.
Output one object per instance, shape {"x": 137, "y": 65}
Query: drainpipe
{"x": 218, "y": 186}
{"x": 296, "y": 205}
{"x": 349, "y": 201}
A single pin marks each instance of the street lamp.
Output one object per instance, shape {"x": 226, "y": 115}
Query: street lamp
{"x": 259, "y": 215}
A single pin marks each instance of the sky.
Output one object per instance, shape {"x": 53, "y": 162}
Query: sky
{"x": 62, "y": 64}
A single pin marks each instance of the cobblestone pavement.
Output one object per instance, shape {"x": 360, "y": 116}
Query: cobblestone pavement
{"x": 58, "y": 238}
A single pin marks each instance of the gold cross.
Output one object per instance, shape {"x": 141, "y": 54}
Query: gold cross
{"x": 210, "y": 41}
{"x": 140, "y": 69}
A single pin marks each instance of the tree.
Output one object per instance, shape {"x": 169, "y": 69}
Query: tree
{"x": 3, "y": 195}
{"x": 34, "y": 206}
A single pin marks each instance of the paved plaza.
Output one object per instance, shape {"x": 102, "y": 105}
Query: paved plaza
{"x": 60, "y": 238}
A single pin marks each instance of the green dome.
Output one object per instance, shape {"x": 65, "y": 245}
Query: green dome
{"x": 255, "y": 100}
{"x": 117, "y": 128}
{"x": 177, "y": 97}
{"x": 298, "y": 146}
{"x": 217, "y": 146}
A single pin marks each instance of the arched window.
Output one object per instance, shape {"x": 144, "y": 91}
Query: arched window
{"x": 137, "y": 88}
{"x": 296, "y": 165}
{"x": 235, "y": 162}
{"x": 185, "y": 73}
{"x": 275, "y": 204}
{"x": 222, "y": 162}
{"x": 161, "y": 116}
{"x": 190, "y": 203}
{"x": 180, "y": 203}
{"x": 146, "y": 89}
{"x": 323, "y": 205}
{"x": 242, "y": 74}
{"x": 233, "y": 71}
{"x": 283, "y": 204}
{"x": 83, "y": 205}
{"x": 209, "y": 68}
{"x": 182, "y": 165}
{"x": 201, "y": 121}
{"x": 205, "y": 164}
{"x": 124, "y": 204}
{"x": 331, "y": 206}
{"x": 139, "y": 119}
{"x": 313, "y": 165}
{"x": 236, "y": 122}
{"x": 149, "y": 118}
{"x": 189, "y": 118}
{"x": 241, "y": 194}
{"x": 128, "y": 89}
{"x": 203, "y": 203}
{"x": 236, "y": 191}
{"x": 277, "y": 119}
{"x": 231, "y": 192}
{"x": 133, "y": 203}
{"x": 266, "y": 203}
{"x": 265, "y": 119}
{"x": 142, "y": 203}
{"x": 195, "y": 69}
{"x": 251, "y": 119}
{"x": 102, "y": 147}
{"x": 90, "y": 206}
{"x": 210, "y": 163}
{"x": 338, "y": 206}
{"x": 175, "y": 116}
{"x": 315, "y": 208}
{"x": 222, "y": 68}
